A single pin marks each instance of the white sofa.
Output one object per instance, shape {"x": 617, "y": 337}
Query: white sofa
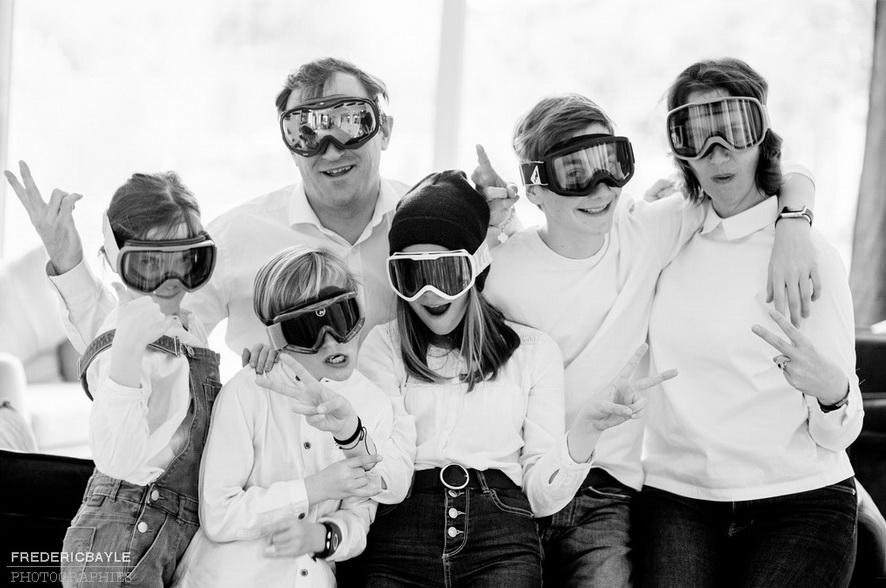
{"x": 37, "y": 364}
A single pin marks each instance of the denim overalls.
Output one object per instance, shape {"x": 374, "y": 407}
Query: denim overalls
{"x": 129, "y": 535}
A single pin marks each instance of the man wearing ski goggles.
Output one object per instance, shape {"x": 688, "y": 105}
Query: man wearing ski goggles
{"x": 576, "y": 167}
{"x": 145, "y": 265}
{"x": 448, "y": 274}
{"x": 303, "y": 329}
{"x": 347, "y": 122}
{"x": 734, "y": 122}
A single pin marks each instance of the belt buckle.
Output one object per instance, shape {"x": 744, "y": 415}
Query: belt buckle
{"x": 464, "y": 472}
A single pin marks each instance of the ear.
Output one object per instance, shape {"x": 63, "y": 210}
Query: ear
{"x": 533, "y": 195}
{"x": 386, "y": 128}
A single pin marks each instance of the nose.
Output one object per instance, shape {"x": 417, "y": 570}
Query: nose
{"x": 719, "y": 154}
{"x": 329, "y": 341}
{"x": 332, "y": 152}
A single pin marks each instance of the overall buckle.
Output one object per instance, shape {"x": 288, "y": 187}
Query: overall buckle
{"x": 454, "y": 472}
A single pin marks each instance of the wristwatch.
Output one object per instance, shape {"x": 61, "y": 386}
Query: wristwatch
{"x": 802, "y": 213}
{"x": 332, "y": 541}
{"x": 832, "y": 407}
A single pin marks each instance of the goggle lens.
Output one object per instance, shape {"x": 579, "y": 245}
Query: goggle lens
{"x": 577, "y": 166}
{"x": 448, "y": 276}
{"x": 145, "y": 265}
{"x": 734, "y": 122}
{"x": 349, "y": 123}
{"x": 304, "y": 330}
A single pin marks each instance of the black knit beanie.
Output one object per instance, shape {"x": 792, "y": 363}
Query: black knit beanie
{"x": 442, "y": 209}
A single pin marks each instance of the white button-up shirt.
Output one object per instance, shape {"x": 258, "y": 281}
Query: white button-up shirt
{"x": 730, "y": 427}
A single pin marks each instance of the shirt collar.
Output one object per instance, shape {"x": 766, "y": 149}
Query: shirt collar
{"x": 744, "y": 223}
{"x": 300, "y": 210}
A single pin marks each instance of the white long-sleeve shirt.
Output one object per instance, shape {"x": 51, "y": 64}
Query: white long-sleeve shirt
{"x": 730, "y": 427}
{"x": 257, "y": 457}
{"x": 135, "y": 433}
{"x": 513, "y": 423}
{"x": 247, "y": 236}
{"x": 596, "y": 309}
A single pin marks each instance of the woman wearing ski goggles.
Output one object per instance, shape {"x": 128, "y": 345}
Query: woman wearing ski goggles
{"x": 735, "y": 122}
{"x": 576, "y": 166}
{"x": 145, "y": 265}
{"x": 346, "y": 122}
{"x": 448, "y": 274}
{"x": 304, "y": 329}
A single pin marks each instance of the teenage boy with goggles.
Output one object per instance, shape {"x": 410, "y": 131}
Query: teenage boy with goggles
{"x": 599, "y": 256}
{"x": 332, "y": 123}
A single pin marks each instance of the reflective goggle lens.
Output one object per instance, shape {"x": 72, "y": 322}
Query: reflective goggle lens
{"x": 347, "y": 122}
{"x": 733, "y": 122}
{"x": 304, "y": 329}
{"x": 577, "y": 166}
{"x": 449, "y": 274}
{"x": 146, "y": 265}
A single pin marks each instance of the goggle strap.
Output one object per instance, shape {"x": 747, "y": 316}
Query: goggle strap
{"x": 533, "y": 173}
{"x": 482, "y": 258}
{"x": 275, "y": 336}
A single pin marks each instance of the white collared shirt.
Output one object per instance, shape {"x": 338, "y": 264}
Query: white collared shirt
{"x": 135, "y": 433}
{"x": 729, "y": 426}
{"x": 258, "y": 454}
{"x": 513, "y": 423}
{"x": 247, "y": 236}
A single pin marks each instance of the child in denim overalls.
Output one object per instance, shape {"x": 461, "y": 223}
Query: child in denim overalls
{"x": 153, "y": 383}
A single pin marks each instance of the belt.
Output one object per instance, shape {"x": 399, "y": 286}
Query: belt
{"x": 456, "y": 477}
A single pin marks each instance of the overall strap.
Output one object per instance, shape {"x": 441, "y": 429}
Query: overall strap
{"x": 166, "y": 344}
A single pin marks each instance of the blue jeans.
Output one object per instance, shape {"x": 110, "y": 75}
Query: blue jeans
{"x": 807, "y": 539}
{"x": 491, "y": 542}
{"x": 587, "y": 543}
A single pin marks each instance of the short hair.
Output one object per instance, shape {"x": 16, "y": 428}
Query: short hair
{"x": 310, "y": 79}
{"x": 153, "y": 201}
{"x": 736, "y": 78}
{"x": 552, "y": 120}
{"x": 295, "y": 277}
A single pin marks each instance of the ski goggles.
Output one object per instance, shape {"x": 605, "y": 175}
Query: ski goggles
{"x": 448, "y": 274}
{"x": 575, "y": 167}
{"x": 145, "y": 265}
{"x": 732, "y": 122}
{"x": 304, "y": 329}
{"x": 347, "y": 122}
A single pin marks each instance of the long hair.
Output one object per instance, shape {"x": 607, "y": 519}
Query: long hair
{"x": 483, "y": 339}
{"x": 736, "y": 78}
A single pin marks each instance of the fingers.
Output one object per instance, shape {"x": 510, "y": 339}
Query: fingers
{"x": 336, "y": 405}
{"x": 19, "y": 191}
{"x": 794, "y": 306}
{"x": 778, "y": 297}
{"x": 482, "y": 157}
{"x": 363, "y": 461}
{"x": 244, "y": 357}
{"x": 484, "y": 176}
{"x": 771, "y": 338}
{"x": 816, "y": 283}
{"x": 66, "y": 210}
{"x": 632, "y": 364}
{"x": 806, "y": 294}
{"x": 301, "y": 373}
{"x": 653, "y": 380}
{"x": 781, "y": 361}
{"x": 790, "y": 330}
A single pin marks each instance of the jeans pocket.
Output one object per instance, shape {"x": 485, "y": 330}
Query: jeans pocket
{"x": 616, "y": 493}
{"x": 77, "y": 543}
{"x": 511, "y": 501}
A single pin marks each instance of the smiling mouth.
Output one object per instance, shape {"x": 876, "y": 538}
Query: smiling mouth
{"x": 597, "y": 210}
{"x": 437, "y": 310}
{"x": 338, "y": 171}
{"x": 337, "y": 360}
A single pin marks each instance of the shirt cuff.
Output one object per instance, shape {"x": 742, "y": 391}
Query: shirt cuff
{"x": 79, "y": 282}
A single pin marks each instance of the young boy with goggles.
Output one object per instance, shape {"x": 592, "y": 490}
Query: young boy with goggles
{"x": 599, "y": 256}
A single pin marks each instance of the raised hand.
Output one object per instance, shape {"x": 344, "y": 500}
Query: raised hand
{"x": 348, "y": 478}
{"x": 54, "y": 220}
{"x": 794, "y": 279}
{"x": 139, "y": 320}
{"x": 803, "y": 366}
{"x": 324, "y": 409}
{"x": 620, "y": 401}
{"x": 499, "y": 195}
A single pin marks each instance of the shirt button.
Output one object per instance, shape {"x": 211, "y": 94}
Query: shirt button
{"x": 155, "y": 495}
{"x": 304, "y": 572}
{"x": 142, "y": 527}
{"x": 453, "y": 493}
{"x": 301, "y": 516}
{"x": 452, "y": 532}
{"x": 307, "y": 446}
{"x": 453, "y": 514}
